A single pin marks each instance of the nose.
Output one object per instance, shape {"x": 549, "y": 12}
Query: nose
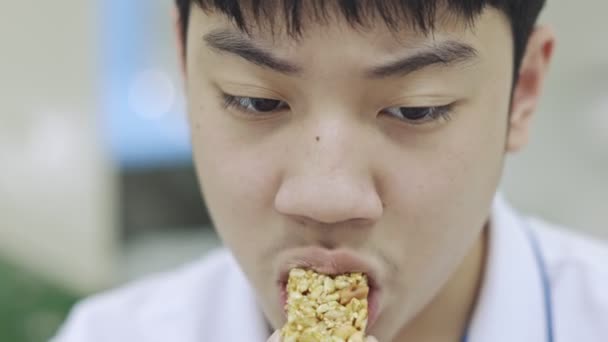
{"x": 330, "y": 182}
{"x": 329, "y": 200}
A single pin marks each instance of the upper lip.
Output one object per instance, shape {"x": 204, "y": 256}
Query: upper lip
{"x": 324, "y": 261}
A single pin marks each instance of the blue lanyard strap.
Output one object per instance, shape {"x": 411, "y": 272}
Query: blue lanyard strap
{"x": 540, "y": 261}
{"x": 542, "y": 267}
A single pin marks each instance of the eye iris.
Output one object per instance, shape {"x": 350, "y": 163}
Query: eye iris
{"x": 265, "y": 105}
{"x": 414, "y": 113}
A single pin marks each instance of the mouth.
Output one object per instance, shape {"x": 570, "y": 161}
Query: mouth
{"x": 331, "y": 263}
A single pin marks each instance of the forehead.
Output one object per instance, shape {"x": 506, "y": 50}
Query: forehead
{"x": 373, "y": 31}
{"x": 295, "y": 15}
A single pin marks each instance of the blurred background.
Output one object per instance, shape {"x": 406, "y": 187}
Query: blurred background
{"x": 96, "y": 181}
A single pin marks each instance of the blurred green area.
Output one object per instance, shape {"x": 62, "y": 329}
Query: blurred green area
{"x": 31, "y": 309}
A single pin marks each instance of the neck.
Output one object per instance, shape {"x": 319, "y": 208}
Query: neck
{"x": 447, "y": 317}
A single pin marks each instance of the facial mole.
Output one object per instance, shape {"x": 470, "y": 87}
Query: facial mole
{"x": 318, "y": 138}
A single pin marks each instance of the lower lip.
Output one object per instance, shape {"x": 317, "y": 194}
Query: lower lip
{"x": 373, "y": 303}
{"x": 283, "y": 289}
{"x": 373, "y": 306}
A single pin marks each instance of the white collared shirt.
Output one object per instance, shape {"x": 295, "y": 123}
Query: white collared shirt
{"x": 211, "y": 300}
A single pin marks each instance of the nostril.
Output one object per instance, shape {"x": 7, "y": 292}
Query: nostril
{"x": 327, "y": 244}
{"x": 301, "y": 220}
{"x": 309, "y": 222}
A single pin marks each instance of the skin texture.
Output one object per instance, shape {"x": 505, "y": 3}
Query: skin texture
{"x": 335, "y": 169}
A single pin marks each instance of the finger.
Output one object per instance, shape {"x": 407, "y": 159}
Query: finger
{"x": 371, "y": 339}
{"x": 276, "y": 337}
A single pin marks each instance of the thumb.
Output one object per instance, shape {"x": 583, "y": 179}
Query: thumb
{"x": 276, "y": 337}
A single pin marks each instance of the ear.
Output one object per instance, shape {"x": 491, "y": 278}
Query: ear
{"x": 178, "y": 30}
{"x": 529, "y": 86}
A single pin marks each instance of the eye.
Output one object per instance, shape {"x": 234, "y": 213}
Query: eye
{"x": 253, "y": 105}
{"x": 419, "y": 115}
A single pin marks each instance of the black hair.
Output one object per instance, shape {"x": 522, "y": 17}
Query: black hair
{"x": 419, "y": 14}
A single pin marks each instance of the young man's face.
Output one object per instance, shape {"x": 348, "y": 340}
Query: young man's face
{"x": 353, "y": 162}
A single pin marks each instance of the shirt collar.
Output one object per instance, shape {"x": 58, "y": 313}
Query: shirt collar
{"x": 511, "y": 303}
{"x": 219, "y": 306}
{"x": 238, "y": 316}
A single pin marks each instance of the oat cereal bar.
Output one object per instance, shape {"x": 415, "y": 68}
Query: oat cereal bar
{"x": 321, "y": 308}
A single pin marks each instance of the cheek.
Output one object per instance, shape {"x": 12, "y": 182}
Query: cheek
{"x": 440, "y": 194}
{"x": 236, "y": 177}
{"x": 457, "y": 170}
{"x": 238, "y": 186}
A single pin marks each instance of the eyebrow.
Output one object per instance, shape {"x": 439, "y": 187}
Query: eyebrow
{"x": 445, "y": 53}
{"x": 238, "y": 44}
